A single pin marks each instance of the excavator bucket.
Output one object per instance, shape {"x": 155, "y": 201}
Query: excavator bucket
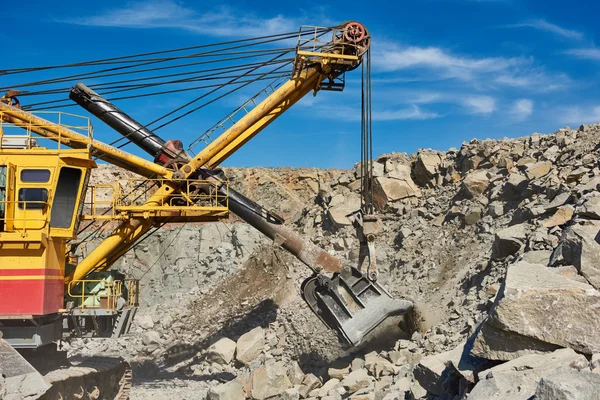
{"x": 22, "y": 380}
{"x": 351, "y": 304}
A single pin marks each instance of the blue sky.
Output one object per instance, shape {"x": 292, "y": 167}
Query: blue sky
{"x": 444, "y": 71}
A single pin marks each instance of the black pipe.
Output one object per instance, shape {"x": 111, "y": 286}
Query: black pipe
{"x": 117, "y": 119}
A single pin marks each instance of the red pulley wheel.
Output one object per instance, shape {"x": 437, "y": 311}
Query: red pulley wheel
{"x": 354, "y": 32}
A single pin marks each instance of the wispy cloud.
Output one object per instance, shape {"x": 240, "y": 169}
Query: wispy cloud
{"x": 410, "y": 113}
{"x": 479, "y": 104}
{"x": 543, "y": 25}
{"x": 438, "y": 63}
{"x": 169, "y": 14}
{"x": 591, "y": 53}
{"x": 522, "y": 109}
{"x": 576, "y": 115}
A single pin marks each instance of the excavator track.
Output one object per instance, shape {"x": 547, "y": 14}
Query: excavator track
{"x": 95, "y": 378}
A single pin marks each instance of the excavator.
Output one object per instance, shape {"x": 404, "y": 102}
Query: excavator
{"x": 48, "y": 292}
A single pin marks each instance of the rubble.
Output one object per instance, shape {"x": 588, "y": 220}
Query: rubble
{"x": 495, "y": 242}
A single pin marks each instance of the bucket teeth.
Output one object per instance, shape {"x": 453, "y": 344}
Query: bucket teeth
{"x": 351, "y": 304}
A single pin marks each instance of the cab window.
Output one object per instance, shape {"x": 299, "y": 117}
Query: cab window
{"x": 35, "y": 175}
{"x": 32, "y": 198}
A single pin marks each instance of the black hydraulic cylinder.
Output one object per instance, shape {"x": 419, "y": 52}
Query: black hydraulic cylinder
{"x": 117, "y": 119}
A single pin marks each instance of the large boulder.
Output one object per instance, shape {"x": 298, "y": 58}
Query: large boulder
{"x": 475, "y": 183}
{"x": 231, "y": 390}
{"x": 580, "y": 246}
{"x": 341, "y": 206}
{"x": 538, "y": 170}
{"x": 569, "y": 384}
{"x": 426, "y": 169}
{"x": 222, "y": 351}
{"x": 518, "y": 379}
{"x": 537, "y": 303}
{"x": 395, "y": 186}
{"x": 250, "y": 345}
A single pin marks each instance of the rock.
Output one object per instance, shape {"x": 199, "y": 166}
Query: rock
{"x": 496, "y": 209}
{"x": 517, "y": 379}
{"x": 537, "y": 257}
{"x": 356, "y": 380}
{"x": 433, "y": 371}
{"x": 418, "y": 391}
{"x": 539, "y": 304}
{"x": 357, "y": 363}
{"x": 144, "y": 321}
{"x": 311, "y": 381}
{"x": 338, "y": 373}
{"x": 590, "y": 208}
{"x": 295, "y": 374}
{"x": 150, "y": 337}
{"x": 290, "y": 394}
{"x": 580, "y": 246}
{"x": 389, "y": 189}
{"x": 328, "y": 386}
{"x": 595, "y": 363}
{"x": 475, "y": 183}
{"x": 516, "y": 183}
{"x": 569, "y": 384}
{"x": 560, "y": 217}
{"x": 538, "y": 170}
{"x": 426, "y": 169}
{"x": 221, "y": 351}
{"x": 269, "y": 380}
{"x": 509, "y": 241}
{"x": 472, "y": 216}
{"x": 250, "y": 345}
{"x": 496, "y": 344}
{"x": 231, "y": 390}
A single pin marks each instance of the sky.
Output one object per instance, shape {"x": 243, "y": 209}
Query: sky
{"x": 444, "y": 71}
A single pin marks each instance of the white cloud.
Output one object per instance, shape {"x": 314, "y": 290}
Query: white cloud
{"x": 522, "y": 109}
{"x": 479, "y": 104}
{"x": 491, "y": 72}
{"x": 411, "y": 113}
{"x": 576, "y": 115}
{"x": 170, "y": 14}
{"x": 590, "y": 53}
{"x": 546, "y": 26}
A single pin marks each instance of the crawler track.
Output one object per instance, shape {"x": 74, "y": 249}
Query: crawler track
{"x": 95, "y": 378}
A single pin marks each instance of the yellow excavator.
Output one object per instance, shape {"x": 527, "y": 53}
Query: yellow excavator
{"x": 48, "y": 294}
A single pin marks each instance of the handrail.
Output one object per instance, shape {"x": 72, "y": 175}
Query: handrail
{"x": 114, "y": 291}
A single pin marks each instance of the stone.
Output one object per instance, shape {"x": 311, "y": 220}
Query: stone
{"x": 509, "y": 241}
{"x": 538, "y": 170}
{"x": 338, "y": 373}
{"x": 389, "y": 189}
{"x": 250, "y": 345}
{"x": 496, "y": 344}
{"x": 432, "y": 371}
{"x": 356, "y": 380}
{"x": 475, "y": 183}
{"x": 472, "y": 216}
{"x": 537, "y": 257}
{"x": 595, "y": 362}
{"x": 222, "y": 351}
{"x": 328, "y": 386}
{"x": 516, "y": 183}
{"x": 517, "y": 379}
{"x": 150, "y": 337}
{"x": 560, "y": 217}
{"x": 579, "y": 245}
{"x": 311, "y": 381}
{"x": 295, "y": 373}
{"x": 231, "y": 390}
{"x": 590, "y": 208}
{"x": 269, "y": 380}
{"x": 357, "y": 363}
{"x": 418, "y": 391}
{"x": 290, "y": 394}
{"x": 340, "y": 207}
{"x": 496, "y": 209}
{"x": 539, "y": 304}
{"x": 144, "y": 321}
{"x": 426, "y": 169}
{"x": 569, "y": 384}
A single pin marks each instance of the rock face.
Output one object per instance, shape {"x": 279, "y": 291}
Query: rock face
{"x": 539, "y": 304}
{"x": 427, "y": 168}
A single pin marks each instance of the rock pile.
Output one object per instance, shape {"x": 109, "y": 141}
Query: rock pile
{"x": 498, "y": 245}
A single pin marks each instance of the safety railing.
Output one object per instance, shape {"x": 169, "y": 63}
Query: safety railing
{"x": 21, "y": 134}
{"x": 131, "y": 195}
{"x": 104, "y": 294}
{"x": 233, "y": 117}
{"x": 23, "y": 215}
